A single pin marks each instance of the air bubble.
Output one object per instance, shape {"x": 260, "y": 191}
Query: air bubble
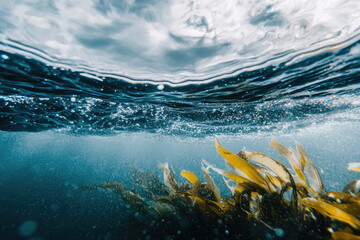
{"x": 279, "y": 232}
{"x": 3, "y": 56}
{"x": 28, "y": 228}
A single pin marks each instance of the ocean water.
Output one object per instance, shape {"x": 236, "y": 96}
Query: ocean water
{"x": 89, "y": 89}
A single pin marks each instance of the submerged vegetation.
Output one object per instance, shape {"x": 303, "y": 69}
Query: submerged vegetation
{"x": 264, "y": 201}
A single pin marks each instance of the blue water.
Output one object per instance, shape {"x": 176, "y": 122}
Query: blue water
{"x": 82, "y": 99}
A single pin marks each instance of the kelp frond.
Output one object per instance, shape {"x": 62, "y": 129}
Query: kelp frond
{"x": 262, "y": 190}
{"x": 241, "y": 165}
{"x": 331, "y": 211}
{"x": 355, "y": 166}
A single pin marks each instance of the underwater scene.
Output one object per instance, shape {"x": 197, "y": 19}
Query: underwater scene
{"x": 175, "y": 119}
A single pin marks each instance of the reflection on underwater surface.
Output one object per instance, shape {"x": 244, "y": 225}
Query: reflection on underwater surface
{"x": 175, "y": 41}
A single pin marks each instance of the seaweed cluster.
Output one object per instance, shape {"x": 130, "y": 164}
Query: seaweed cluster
{"x": 265, "y": 200}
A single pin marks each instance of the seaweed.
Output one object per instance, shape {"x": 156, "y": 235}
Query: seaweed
{"x": 266, "y": 200}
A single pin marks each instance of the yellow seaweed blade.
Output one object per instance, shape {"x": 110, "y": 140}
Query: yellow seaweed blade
{"x": 255, "y": 198}
{"x": 303, "y": 162}
{"x": 215, "y": 210}
{"x": 231, "y": 188}
{"x": 294, "y": 162}
{"x": 239, "y": 189}
{"x": 351, "y": 208}
{"x": 221, "y": 172}
{"x": 234, "y": 177}
{"x": 239, "y": 180}
{"x": 274, "y": 181}
{"x": 352, "y": 187}
{"x": 172, "y": 173}
{"x": 191, "y": 177}
{"x": 211, "y": 184}
{"x": 215, "y": 206}
{"x": 200, "y": 203}
{"x": 354, "y": 166}
{"x": 301, "y": 187}
{"x": 344, "y": 197}
{"x": 204, "y": 206}
{"x": 168, "y": 179}
{"x": 344, "y": 236}
{"x": 241, "y": 164}
{"x": 312, "y": 174}
{"x": 331, "y": 211}
{"x": 269, "y": 177}
{"x": 278, "y": 168}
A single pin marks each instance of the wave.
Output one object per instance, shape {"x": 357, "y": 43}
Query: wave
{"x": 36, "y": 96}
{"x": 324, "y": 87}
{"x": 262, "y": 67}
{"x": 328, "y": 73}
